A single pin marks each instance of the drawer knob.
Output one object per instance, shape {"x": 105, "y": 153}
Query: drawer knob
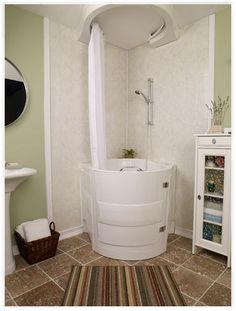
{"x": 199, "y": 197}
{"x": 213, "y": 140}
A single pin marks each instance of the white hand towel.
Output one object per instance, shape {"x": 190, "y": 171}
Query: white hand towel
{"x": 20, "y": 228}
{"x": 36, "y": 229}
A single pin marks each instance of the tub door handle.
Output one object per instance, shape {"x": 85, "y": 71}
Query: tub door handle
{"x": 165, "y": 185}
{"x": 162, "y": 229}
{"x": 134, "y": 167}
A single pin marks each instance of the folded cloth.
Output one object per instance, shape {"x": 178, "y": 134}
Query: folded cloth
{"x": 20, "y": 228}
{"x": 36, "y": 229}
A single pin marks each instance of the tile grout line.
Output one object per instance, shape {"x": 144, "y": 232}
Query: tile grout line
{"x": 92, "y": 260}
{"x": 172, "y": 262}
{"x": 67, "y": 253}
{"x": 208, "y": 257}
{"x": 6, "y": 301}
{"x": 203, "y": 276}
{"x": 186, "y": 260}
{"x": 204, "y": 305}
{"x": 57, "y": 277}
{"x": 82, "y": 264}
{"x": 213, "y": 284}
{"x": 167, "y": 260}
{"x": 8, "y": 294}
{"x": 214, "y": 281}
{"x": 215, "y": 261}
{"x": 84, "y": 240}
{"x": 178, "y": 238}
{"x": 60, "y": 250}
{"x": 74, "y": 258}
{"x": 15, "y": 304}
{"x": 137, "y": 261}
{"x": 48, "y": 276}
{"x": 35, "y": 265}
{"x": 60, "y": 275}
{"x": 31, "y": 289}
{"x": 184, "y": 249}
{"x": 51, "y": 279}
{"x": 182, "y": 266}
{"x": 229, "y": 287}
{"x": 189, "y": 297}
{"x": 73, "y": 248}
{"x": 197, "y": 253}
{"x": 104, "y": 256}
{"x": 179, "y": 265}
{"x": 11, "y": 297}
{"x": 24, "y": 268}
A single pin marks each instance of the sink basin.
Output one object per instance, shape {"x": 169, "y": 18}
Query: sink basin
{"x": 14, "y": 177}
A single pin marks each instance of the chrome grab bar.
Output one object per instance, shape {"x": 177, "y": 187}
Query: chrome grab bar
{"x": 138, "y": 168}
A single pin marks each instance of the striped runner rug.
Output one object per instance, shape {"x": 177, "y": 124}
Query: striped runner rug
{"x": 122, "y": 286}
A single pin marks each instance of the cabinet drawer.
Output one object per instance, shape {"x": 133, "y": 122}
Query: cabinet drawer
{"x": 215, "y": 141}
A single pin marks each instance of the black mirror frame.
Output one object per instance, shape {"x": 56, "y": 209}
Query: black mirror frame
{"x": 26, "y": 92}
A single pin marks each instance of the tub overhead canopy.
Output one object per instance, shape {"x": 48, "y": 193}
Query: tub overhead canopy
{"x": 128, "y": 26}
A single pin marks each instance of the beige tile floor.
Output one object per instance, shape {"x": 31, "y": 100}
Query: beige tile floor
{"x": 203, "y": 278}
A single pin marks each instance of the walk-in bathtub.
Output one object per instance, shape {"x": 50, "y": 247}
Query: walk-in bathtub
{"x": 126, "y": 208}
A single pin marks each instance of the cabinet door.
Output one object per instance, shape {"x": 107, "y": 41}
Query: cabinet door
{"x": 213, "y": 199}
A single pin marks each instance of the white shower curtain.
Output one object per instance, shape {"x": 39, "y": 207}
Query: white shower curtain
{"x": 97, "y": 98}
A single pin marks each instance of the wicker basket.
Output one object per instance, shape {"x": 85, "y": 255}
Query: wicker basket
{"x": 40, "y": 249}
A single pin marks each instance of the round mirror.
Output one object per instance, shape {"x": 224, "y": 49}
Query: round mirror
{"x": 16, "y": 93}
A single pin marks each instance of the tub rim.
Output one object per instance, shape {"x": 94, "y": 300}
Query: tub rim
{"x": 168, "y": 166}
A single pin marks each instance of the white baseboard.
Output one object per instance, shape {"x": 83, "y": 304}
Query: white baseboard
{"x": 68, "y": 233}
{"x": 172, "y": 227}
{"x": 184, "y": 232}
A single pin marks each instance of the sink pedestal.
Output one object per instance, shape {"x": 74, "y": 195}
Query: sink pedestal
{"x": 13, "y": 178}
{"x": 9, "y": 258}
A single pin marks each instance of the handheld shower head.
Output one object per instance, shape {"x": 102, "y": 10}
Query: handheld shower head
{"x": 148, "y": 100}
{"x": 138, "y": 92}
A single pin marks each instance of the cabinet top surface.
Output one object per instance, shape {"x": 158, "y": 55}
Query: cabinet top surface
{"x": 212, "y": 134}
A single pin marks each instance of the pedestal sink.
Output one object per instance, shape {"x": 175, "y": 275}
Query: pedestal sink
{"x": 13, "y": 178}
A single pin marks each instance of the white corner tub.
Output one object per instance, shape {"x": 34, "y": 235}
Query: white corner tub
{"x": 126, "y": 208}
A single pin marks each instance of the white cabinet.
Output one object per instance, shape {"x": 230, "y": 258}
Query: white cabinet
{"x": 211, "y": 226}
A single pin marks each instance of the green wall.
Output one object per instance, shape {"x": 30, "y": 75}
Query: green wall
{"x": 24, "y": 140}
{"x": 222, "y": 83}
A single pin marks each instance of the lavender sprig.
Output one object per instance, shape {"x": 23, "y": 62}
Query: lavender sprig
{"x": 219, "y": 109}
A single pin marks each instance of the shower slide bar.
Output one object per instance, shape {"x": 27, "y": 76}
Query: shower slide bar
{"x": 148, "y": 99}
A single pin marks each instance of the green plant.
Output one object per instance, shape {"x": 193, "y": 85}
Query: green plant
{"x": 129, "y": 153}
